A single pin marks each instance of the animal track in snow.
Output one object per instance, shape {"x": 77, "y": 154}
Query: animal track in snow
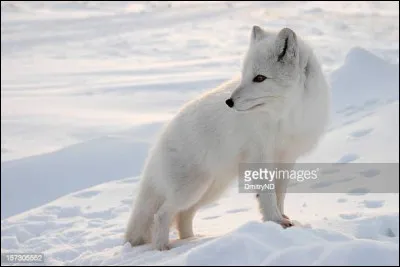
{"x": 237, "y": 210}
{"x": 211, "y": 217}
{"x": 358, "y": 191}
{"x": 373, "y": 204}
{"x": 360, "y": 133}
{"x": 348, "y": 158}
{"x": 350, "y": 216}
{"x": 370, "y": 173}
{"x": 87, "y": 194}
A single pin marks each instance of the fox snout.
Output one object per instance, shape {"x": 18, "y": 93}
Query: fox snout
{"x": 229, "y": 102}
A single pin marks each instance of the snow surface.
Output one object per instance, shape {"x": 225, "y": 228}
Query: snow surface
{"x": 86, "y": 86}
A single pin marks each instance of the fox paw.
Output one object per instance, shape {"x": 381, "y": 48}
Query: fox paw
{"x": 286, "y": 223}
{"x": 162, "y": 247}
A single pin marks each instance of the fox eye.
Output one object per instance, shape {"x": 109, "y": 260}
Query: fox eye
{"x": 259, "y": 78}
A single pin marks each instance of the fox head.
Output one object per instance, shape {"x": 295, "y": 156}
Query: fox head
{"x": 270, "y": 72}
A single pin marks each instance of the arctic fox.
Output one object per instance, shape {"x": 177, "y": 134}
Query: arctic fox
{"x": 275, "y": 112}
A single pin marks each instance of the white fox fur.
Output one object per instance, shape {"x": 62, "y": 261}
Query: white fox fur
{"x": 197, "y": 155}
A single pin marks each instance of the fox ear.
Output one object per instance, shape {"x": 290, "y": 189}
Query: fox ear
{"x": 257, "y": 33}
{"x": 286, "y": 45}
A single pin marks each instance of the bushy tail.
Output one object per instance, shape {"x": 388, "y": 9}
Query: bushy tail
{"x": 138, "y": 231}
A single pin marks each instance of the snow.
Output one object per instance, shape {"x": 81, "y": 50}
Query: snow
{"x": 86, "y": 86}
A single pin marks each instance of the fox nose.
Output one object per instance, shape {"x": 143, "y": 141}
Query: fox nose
{"x": 229, "y": 102}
